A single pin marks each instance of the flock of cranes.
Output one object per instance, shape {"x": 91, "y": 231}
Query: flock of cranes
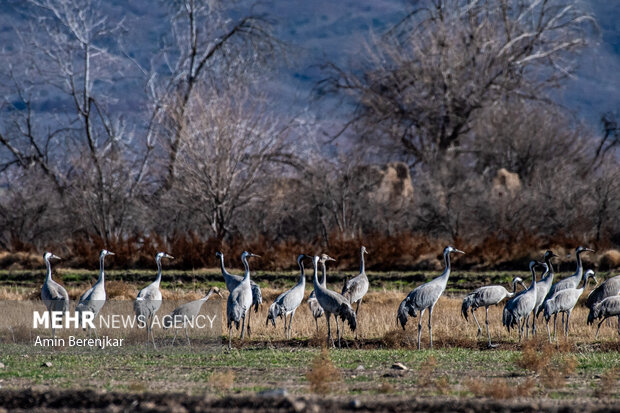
{"x": 542, "y": 296}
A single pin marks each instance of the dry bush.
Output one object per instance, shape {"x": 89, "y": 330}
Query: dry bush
{"x": 399, "y": 338}
{"x": 427, "y": 377}
{"x": 20, "y": 260}
{"x": 322, "y": 373}
{"x": 532, "y": 359}
{"x": 609, "y": 260}
{"x": 136, "y": 386}
{"x": 222, "y": 380}
{"x": 385, "y": 388}
{"x": 500, "y": 388}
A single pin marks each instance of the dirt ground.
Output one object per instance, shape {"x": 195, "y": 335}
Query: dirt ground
{"x": 67, "y": 401}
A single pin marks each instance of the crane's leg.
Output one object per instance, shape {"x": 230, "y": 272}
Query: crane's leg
{"x": 548, "y": 331}
{"x": 486, "y": 321}
{"x": 477, "y": 323}
{"x": 151, "y": 330}
{"x": 599, "y": 326}
{"x": 566, "y": 326}
{"x": 520, "y": 326}
{"x": 289, "y": 325}
{"x": 329, "y": 329}
{"x": 52, "y": 324}
{"x": 285, "y": 332}
{"x": 175, "y": 336}
{"x": 249, "y": 317}
{"x": 357, "y": 308}
{"x": 243, "y": 326}
{"x": 619, "y": 324}
{"x": 430, "y": 325}
{"x": 230, "y": 336}
{"x": 338, "y": 331}
{"x": 527, "y": 327}
{"x": 534, "y": 321}
{"x": 555, "y": 319}
{"x": 316, "y": 321}
{"x": 420, "y": 330}
{"x": 187, "y": 336}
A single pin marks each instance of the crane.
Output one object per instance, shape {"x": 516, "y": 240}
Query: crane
{"x": 288, "y": 301}
{"x": 54, "y": 295}
{"x": 148, "y": 300}
{"x": 568, "y": 282}
{"x": 187, "y": 313}
{"x": 356, "y": 288}
{"x": 564, "y": 301}
{"x": 517, "y": 310}
{"x": 333, "y": 303}
{"x": 609, "y": 288}
{"x": 543, "y": 286}
{"x": 486, "y": 297}
{"x": 608, "y": 307}
{"x": 232, "y": 281}
{"x": 240, "y": 300}
{"x": 313, "y": 303}
{"x": 426, "y": 296}
{"x": 94, "y": 298}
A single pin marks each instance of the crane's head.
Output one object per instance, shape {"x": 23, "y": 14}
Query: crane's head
{"x": 518, "y": 280}
{"x": 450, "y": 249}
{"x": 215, "y": 290}
{"x": 219, "y": 254}
{"x": 48, "y": 256}
{"x": 300, "y": 258}
{"x": 549, "y": 254}
{"x": 106, "y": 252}
{"x": 161, "y": 255}
{"x": 581, "y": 249}
{"x": 534, "y": 264}
{"x": 246, "y": 254}
{"x": 590, "y": 274}
{"x": 364, "y": 250}
{"x": 324, "y": 258}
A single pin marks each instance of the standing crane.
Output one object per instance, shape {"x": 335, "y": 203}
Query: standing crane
{"x": 568, "y": 282}
{"x": 609, "y": 288}
{"x": 94, "y": 298}
{"x": 426, "y": 296}
{"x": 187, "y": 313}
{"x": 54, "y": 295}
{"x": 564, "y": 301}
{"x": 232, "y": 281}
{"x": 148, "y": 300}
{"x": 608, "y": 307}
{"x": 543, "y": 286}
{"x": 313, "y": 303}
{"x": 240, "y": 300}
{"x": 486, "y": 297}
{"x": 517, "y": 310}
{"x": 288, "y": 301}
{"x": 333, "y": 303}
{"x": 356, "y": 288}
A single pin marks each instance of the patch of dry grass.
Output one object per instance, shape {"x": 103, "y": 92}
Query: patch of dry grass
{"x": 500, "y": 388}
{"x": 322, "y": 374}
{"x": 222, "y": 380}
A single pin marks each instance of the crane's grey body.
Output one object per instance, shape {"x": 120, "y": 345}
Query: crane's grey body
{"x": 239, "y": 301}
{"x": 564, "y": 301}
{"x": 356, "y": 288}
{"x": 542, "y": 287}
{"x": 93, "y": 299}
{"x": 53, "y": 295}
{"x": 315, "y": 308}
{"x": 333, "y": 303}
{"x": 426, "y": 296}
{"x": 149, "y": 299}
{"x": 486, "y": 297}
{"x": 609, "y": 288}
{"x": 517, "y": 310}
{"x": 287, "y": 302}
{"x": 608, "y": 307}
{"x": 232, "y": 281}
{"x": 186, "y": 313}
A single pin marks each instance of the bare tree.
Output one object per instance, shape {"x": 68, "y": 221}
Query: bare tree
{"x": 228, "y": 146}
{"x": 426, "y": 80}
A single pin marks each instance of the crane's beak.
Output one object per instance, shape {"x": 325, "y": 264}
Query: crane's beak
{"x": 595, "y": 280}
{"x": 330, "y": 258}
{"x": 588, "y": 249}
{"x": 111, "y": 253}
{"x": 254, "y": 255}
{"x": 459, "y": 251}
{"x": 169, "y": 256}
{"x": 56, "y": 256}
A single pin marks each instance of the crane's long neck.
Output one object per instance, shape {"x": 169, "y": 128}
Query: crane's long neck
{"x": 514, "y": 290}
{"x": 246, "y": 277}
{"x": 533, "y": 285}
{"x": 222, "y": 264}
{"x": 158, "y": 279}
{"x": 315, "y": 278}
{"x": 302, "y": 274}
{"x": 48, "y": 277}
{"x": 101, "y": 272}
{"x": 324, "y": 270}
{"x": 579, "y": 265}
{"x": 362, "y": 263}
{"x": 549, "y": 267}
{"x": 446, "y": 272}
